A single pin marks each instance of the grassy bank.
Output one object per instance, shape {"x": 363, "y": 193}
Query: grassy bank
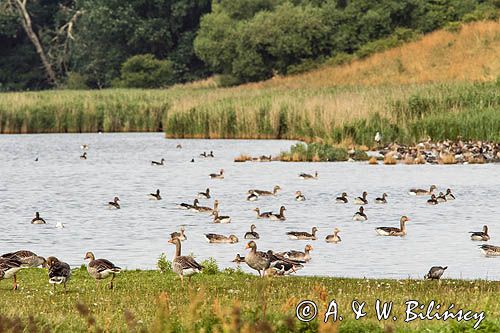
{"x": 231, "y": 302}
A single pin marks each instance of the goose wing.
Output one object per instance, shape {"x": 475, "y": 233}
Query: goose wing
{"x": 187, "y": 262}
{"x": 59, "y": 269}
{"x": 215, "y": 237}
{"x": 490, "y": 248}
{"x": 389, "y": 229}
{"x": 299, "y": 234}
{"x": 103, "y": 264}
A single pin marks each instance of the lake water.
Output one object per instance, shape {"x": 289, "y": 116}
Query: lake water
{"x": 75, "y": 192}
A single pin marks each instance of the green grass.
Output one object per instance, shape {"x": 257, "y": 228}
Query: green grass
{"x": 230, "y": 301}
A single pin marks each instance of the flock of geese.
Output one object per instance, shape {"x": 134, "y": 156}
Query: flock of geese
{"x": 264, "y": 262}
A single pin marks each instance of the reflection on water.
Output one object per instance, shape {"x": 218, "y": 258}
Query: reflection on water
{"x": 75, "y": 192}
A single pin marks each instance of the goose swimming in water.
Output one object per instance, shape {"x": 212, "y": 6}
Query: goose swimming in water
{"x": 183, "y": 265}
{"x": 264, "y": 215}
{"x": 37, "y": 219}
{"x": 83, "y": 156}
{"x": 299, "y": 255}
{"x": 418, "y": 191}
{"x": 84, "y": 147}
{"x": 162, "y": 162}
{"x": 432, "y": 200}
{"x": 252, "y": 197}
{"x": 334, "y": 238}
{"x": 221, "y": 239}
{"x": 114, "y": 203}
{"x": 342, "y": 199}
{"x": 204, "y": 154}
{"x": 490, "y": 250}
{"x": 303, "y": 235}
{"x": 188, "y": 206}
{"x": 101, "y": 269}
{"x": 220, "y": 219}
{"x": 381, "y": 200}
{"x": 9, "y": 269}
{"x": 238, "y": 259}
{"x": 360, "y": 215}
{"x": 308, "y": 176}
{"x": 203, "y": 209}
{"x": 280, "y": 216}
{"x": 155, "y": 196}
{"x": 435, "y": 273}
{"x": 27, "y": 258}
{"x": 59, "y": 272}
{"x": 204, "y": 195}
{"x": 480, "y": 235}
{"x": 219, "y": 175}
{"x": 263, "y": 193}
{"x": 393, "y": 231}
{"x": 441, "y": 197}
{"x": 179, "y": 234}
{"x": 211, "y": 154}
{"x": 179, "y": 146}
{"x": 299, "y": 196}
{"x": 449, "y": 196}
{"x": 252, "y": 234}
{"x": 362, "y": 199}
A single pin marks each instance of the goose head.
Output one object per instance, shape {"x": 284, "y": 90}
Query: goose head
{"x": 308, "y": 248}
{"x": 364, "y": 194}
{"x": 251, "y": 245}
{"x": 90, "y": 256}
{"x": 253, "y": 227}
{"x": 485, "y": 229}
{"x": 276, "y": 189}
{"x": 314, "y": 230}
{"x": 282, "y": 209}
{"x": 448, "y": 191}
{"x": 157, "y": 191}
{"x": 361, "y": 209}
{"x": 233, "y": 238}
{"x": 37, "y": 215}
{"x": 51, "y": 262}
{"x": 404, "y": 219}
{"x": 432, "y": 188}
{"x": 384, "y": 195}
{"x": 116, "y": 199}
{"x": 175, "y": 241}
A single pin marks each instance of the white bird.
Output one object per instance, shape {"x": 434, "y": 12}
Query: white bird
{"x": 59, "y": 225}
{"x": 378, "y": 137}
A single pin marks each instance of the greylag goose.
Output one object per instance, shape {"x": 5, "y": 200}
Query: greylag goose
{"x": 480, "y": 235}
{"x": 188, "y": 206}
{"x": 216, "y": 238}
{"x": 449, "y": 196}
{"x": 362, "y": 199}
{"x": 393, "y": 231}
{"x": 155, "y": 196}
{"x": 252, "y": 234}
{"x": 441, "y": 198}
{"x": 256, "y": 259}
{"x": 37, "y": 219}
{"x": 9, "y": 269}
{"x": 419, "y": 191}
{"x": 204, "y": 195}
{"x": 490, "y": 250}
{"x": 303, "y": 235}
{"x": 280, "y": 216}
{"x": 263, "y": 193}
{"x": 382, "y": 199}
{"x": 179, "y": 234}
{"x": 219, "y": 175}
{"x": 252, "y": 196}
{"x": 211, "y": 154}
{"x": 220, "y": 218}
{"x": 308, "y": 176}
{"x": 27, "y": 258}
{"x": 59, "y": 272}
{"x": 299, "y": 196}
{"x": 183, "y": 265}
{"x": 435, "y": 273}
{"x": 432, "y": 200}
{"x": 342, "y": 199}
{"x": 101, "y": 269}
{"x": 115, "y": 203}
{"x": 238, "y": 259}
{"x": 264, "y": 215}
{"x": 334, "y": 238}
{"x": 203, "y": 209}
{"x": 83, "y": 156}
{"x": 299, "y": 255}
{"x": 360, "y": 215}
{"x": 162, "y": 162}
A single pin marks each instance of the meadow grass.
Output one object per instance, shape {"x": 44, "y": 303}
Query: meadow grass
{"x": 231, "y": 301}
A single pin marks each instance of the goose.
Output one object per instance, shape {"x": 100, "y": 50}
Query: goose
{"x": 480, "y": 235}
{"x": 179, "y": 234}
{"x": 155, "y": 196}
{"x": 393, "y": 231}
{"x": 188, "y": 206}
{"x": 204, "y": 154}
{"x": 283, "y": 268}
{"x": 334, "y": 238}
{"x": 362, "y": 199}
{"x": 432, "y": 200}
{"x": 114, "y": 203}
{"x": 308, "y": 176}
{"x": 342, "y": 199}
{"x": 220, "y": 219}
{"x": 219, "y": 175}
{"x": 264, "y": 215}
{"x": 183, "y": 265}
{"x": 281, "y": 258}
{"x": 382, "y": 199}
{"x": 192, "y": 160}
{"x": 299, "y": 196}
{"x": 238, "y": 259}
{"x": 60, "y": 225}
{"x": 299, "y": 255}
{"x": 419, "y": 191}
{"x": 83, "y": 156}
{"x": 449, "y": 196}
{"x": 216, "y": 238}
{"x": 435, "y": 273}
{"x": 303, "y": 235}
{"x": 490, "y": 250}
{"x": 59, "y": 272}
{"x": 9, "y": 269}
{"x": 204, "y": 209}
{"x": 280, "y": 216}
{"x": 162, "y": 162}
{"x": 256, "y": 259}
{"x": 101, "y": 269}
{"x": 27, "y": 258}
{"x": 84, "y": 147}
{"x": 204, "y": 195}
{"x": 252, "y": 234}
{"x": 179, "y": 146}
{"x": 211, "y": 154}
{"x": 263, "y": 193}
{"x": 360, "y": 215}
{"x": 441, "y": 198}
{"x": 252, "y": 196}
{"x": 37, "y": 219}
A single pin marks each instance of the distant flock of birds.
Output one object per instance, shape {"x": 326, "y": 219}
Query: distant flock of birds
{"x": 265, "y": 263}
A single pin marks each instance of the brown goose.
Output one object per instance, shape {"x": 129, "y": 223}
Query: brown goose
{"x": 302, "y": 234}
{"x": 299, "y": 255}
{"x": 308, "y": 176}
{"x": 342, "y": 199}
{"x": 183, "y": 265}
{"x": 83, "y": 156}
{"x": 59, "y": 272}
{"x": 362, "y": 199}
{"x": 37, "y": 219}
{"x": 419, "y": 191}
{"x": 432, "y": 200}
{"x": 216, "y": 238}
{"x": 181, "y": 235}
{"x": 393, "y": 231}
{"x": 220, "y": 218}
{"x": 435, "y": 273}
{"x": 27, "y": 258}
{"x": 360, "y": 215}
{"x": 480, "y": 235}
{"x": 441, "y": 197}
{"x": 490, "y": 250}
{"x": 256, "y": 259}
{"x": 203, "y": 209}
{"x": 264, "y": 215}
{"x": 334, "y": 238}
{"x": 280, "y": 216}
{"x": 101, "y": 269}
{"x": 252, "y": 197}
{"x": 263, "y": 193}
{"x": 204, "y": 195}
{"x": 219, "y": 175}
{"x": 382, "y": 199}
{"x": 449, "y": 196}
{"x": 188, "y": 206}
{"x": 9, "y": 269}
{"x": 155, "y": 196}
{"x": 252, "y": 234}
{"x": 115, "y": 203}
{"x": 299, "y": 196}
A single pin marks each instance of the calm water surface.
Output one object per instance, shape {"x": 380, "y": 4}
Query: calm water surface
{"x": 75, "y": 192}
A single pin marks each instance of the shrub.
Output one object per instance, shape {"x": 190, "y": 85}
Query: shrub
{"x": 163, "y": 264}
{"x": 145, "y": 71}
{"x": 210, "y": 266}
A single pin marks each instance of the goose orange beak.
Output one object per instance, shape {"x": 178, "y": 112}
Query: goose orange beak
{"x": 247, "y": 246}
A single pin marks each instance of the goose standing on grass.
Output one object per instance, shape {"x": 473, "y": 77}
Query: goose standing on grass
{"x": 37, "y": 219}
{"x": 432, "y": 200}
{"x": 221, "y": 239}
{"x": 183, "y": 265}
{"x": 490, "y": 250}
{"x": 204, "y": 209}
{"x": 115, "y": 203}
{"x": 83, "y": 156}
{"x": 299, "y": 255}
{"x": 441, "y": 198}
{"x": 179, "y": 234}
{"x": 263, "y": 215}
{"x": 382, "y": 199}
{"x": 220, "y": 218}
{"x": 393, "y": 231}
{"x": 9, "y": 269}
{"x": 27, "y": 258}
{"x": 263, "y": 193}
{"x": 449, "y": 196}
{"x": 252, "y": 196}
{"x": 362, "y": 199}
{"x": 280, "y": 216}
{"x": 308, "y": 176}
{"x": 334, "y": 238}
{"x": 162, "y": 162}
{"x": 342, "y": 199}
{"x": 299, "y": 196}
{"x": 155, "y": 196}
{"x": 252, "y": 234}
{"x": 188, "y": 206}
{"x": 219, "y": 175}
{"x": 238, "y": 259}
{"x": 59, "y": 272}
{"x": 480, "y": 235}
{"x": 435, "y": 273}
{"x": 257, "y": 260}
{"x": 204, "y": 195}
{"x": 303, "y": 235}
{"x": 419, "y": 191}
{"x": 101, "y": 269}
{"x": 360, "y": 215}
